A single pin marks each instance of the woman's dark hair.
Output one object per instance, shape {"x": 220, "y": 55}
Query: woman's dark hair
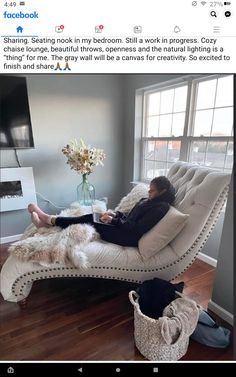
{"x": 161, "y": 183}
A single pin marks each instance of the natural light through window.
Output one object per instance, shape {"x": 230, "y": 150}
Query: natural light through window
{"x": 191, "y": 121}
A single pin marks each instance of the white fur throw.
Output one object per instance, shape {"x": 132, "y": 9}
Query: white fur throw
{"x": 50, "y": 245}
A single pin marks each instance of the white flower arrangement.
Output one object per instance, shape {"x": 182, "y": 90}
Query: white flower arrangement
{"x": 82, "y": 158}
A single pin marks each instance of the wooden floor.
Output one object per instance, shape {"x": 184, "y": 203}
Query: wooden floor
{"x": 88, "y": 319}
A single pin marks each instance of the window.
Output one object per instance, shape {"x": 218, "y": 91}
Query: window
{"x": 191, "y": 121}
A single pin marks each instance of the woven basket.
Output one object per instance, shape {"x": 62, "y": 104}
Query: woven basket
{"x": 149, "y": 339}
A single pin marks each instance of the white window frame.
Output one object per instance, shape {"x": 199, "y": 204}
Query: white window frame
{"x": 187, "y": 138}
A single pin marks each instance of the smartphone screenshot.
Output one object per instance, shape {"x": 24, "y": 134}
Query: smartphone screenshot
{"x": 116, "y": 189}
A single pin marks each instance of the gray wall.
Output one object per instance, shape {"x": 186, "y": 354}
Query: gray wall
{"x": 212, "y": 245}
{"x": 63, "y": 108}
{"x": 223, "y": 285}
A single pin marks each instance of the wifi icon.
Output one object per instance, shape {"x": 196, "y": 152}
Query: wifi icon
{"x": 203, "y": 3}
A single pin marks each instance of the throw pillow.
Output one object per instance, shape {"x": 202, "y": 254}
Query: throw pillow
{"x": 162, "y": 233}
{"x": 128, "y": 202}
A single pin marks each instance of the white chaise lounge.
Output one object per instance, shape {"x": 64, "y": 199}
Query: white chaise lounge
{"x": 201, "y": 193}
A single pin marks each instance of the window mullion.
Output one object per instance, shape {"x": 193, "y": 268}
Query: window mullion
{"x": 208, "y": 138}
{"x": 184, "y": 143}
{"x": 172, "y": 114}
{"x": 142, "y": 163}
{"x": 214, "y": 106}
{"x": 144, "y": 117}
{"x": 143, "y": 135}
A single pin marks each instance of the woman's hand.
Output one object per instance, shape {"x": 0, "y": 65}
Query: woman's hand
{"x": 106, "y": 218}
{"x": 109, "y": 214}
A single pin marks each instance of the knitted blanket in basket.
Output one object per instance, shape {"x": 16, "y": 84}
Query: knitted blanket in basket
{"x": 179, "y": 319}
{"x": 53, "y": 245}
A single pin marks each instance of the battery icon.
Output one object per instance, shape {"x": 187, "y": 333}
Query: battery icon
{"x": 227, "y": 3}
{"x": 22, "y": 2}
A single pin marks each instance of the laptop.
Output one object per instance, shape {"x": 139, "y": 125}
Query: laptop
{"x": 96, "y": 218}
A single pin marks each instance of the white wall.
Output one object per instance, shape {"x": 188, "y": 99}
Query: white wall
{"x": 62, "y": 108}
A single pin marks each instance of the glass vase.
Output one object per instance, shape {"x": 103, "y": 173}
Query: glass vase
{"x": 85, "y": 192}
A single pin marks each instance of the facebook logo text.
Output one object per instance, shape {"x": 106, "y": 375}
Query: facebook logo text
{"x": 20, "y": 15}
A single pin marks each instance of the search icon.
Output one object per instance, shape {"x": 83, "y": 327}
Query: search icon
{"x": 213, "y": 13}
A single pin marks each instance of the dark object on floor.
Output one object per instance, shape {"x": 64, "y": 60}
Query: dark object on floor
{"x": 209, "y": 333}
{"x": 155, "y": 295}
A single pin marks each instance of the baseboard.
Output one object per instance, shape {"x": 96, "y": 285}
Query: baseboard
{"x": 207, "y": 259}
{"x": 8, "y": 239}
{"x": 221, "y": 312}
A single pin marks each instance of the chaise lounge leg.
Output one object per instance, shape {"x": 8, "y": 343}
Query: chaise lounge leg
{"x": 23, "y": 303}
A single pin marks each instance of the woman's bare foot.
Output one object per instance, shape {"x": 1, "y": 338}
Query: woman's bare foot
{"x": 34, "y": 208}
{"x": 44, "y": 217}
{"x": 36, "y": 220}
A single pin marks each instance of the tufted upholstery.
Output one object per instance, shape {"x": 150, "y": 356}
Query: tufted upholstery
{"x": 201, "y": 192}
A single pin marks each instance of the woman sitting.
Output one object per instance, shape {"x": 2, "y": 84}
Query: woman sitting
{"x": 128, "y": 228}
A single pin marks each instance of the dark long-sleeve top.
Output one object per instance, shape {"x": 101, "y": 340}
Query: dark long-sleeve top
{"x": 145, "y": 214}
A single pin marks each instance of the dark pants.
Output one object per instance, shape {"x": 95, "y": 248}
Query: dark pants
{"x": 107, "y": 233}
